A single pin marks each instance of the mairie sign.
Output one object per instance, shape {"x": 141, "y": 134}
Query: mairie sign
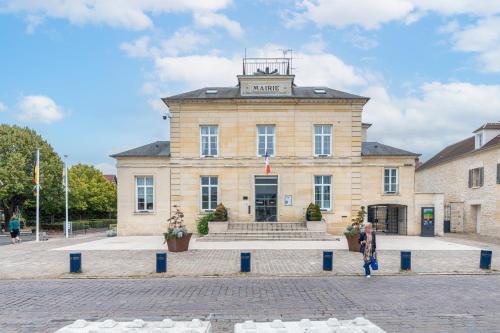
{"x": 253, "y": 88}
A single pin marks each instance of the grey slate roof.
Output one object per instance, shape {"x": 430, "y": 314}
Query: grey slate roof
{"x": 495, "y": 126}
{"x": 155, "y": 149}
{"x": 162, "y": 149}
{"x": 458, "y": 149}
{"x": 378, "y": 149}
{"x": 234, "y": 93}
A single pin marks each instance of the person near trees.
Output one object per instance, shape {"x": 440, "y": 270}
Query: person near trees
{"x": 14, "y": 227}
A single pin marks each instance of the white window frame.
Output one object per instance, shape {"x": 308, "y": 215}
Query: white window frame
{"x": 265, "y": 136}
{"x": 322, "y": 186}
{"x": 479, "y": 140}
{"x": 391, "y": 184}
{"x": 145, "y": 186}
{"x": 209, "y": 186}
{"x": 210, "y": 138}
{"x": 322, "y": 136}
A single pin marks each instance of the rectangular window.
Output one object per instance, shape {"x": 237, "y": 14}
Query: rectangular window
{"x": 476, "y": 177}
{"x": 322, "y": 192}
{"x": 265, "y": 140}
{"x": 208, "y": 140}
{"x": 144, "y": 193}
{"x": 209, "y": 186}
{"x": 322, "y": 140}
{"x": 498, "y": 173}
{"x": 390, "y": 180}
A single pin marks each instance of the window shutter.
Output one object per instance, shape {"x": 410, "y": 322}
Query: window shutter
{"x": 481, "y": 176}
{"x": 498, "y": 173}
{"x": 470, "y": 178}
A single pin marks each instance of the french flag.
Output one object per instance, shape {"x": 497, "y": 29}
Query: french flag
{"x": 268, "y": 166}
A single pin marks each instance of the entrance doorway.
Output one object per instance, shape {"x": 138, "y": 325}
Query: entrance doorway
{"x": 391, "y": 219}
{"x": 266, "y": 198}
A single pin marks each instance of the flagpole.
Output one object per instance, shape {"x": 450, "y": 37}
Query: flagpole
{"x": 37, "y": 172}
{"x": 66, "y": 191}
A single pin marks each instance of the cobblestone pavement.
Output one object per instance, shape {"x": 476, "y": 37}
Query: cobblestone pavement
{"x": 34, "y": 260}
{"x": 442, "y": 303}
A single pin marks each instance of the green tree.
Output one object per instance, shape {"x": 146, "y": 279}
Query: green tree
{"x": 17, "y": 159}
{"x": 89, "y": 191}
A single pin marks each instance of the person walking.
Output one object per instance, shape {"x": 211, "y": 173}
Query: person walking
{"x": 368, "y": 247}
{"x": 14, "y": 227}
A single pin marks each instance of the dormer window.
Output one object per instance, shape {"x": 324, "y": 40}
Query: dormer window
{"x": 211, "y": 91}
{"x": 479, "y": 140}
{"x": 319, "y": 91}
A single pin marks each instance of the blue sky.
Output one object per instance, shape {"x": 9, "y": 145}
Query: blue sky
{"x": 89, "y": 75}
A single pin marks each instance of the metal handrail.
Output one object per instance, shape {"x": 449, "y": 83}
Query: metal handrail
{"x": 266, "y": 66}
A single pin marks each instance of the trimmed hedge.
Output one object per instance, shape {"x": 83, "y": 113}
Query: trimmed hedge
{"x": 78, "y": 225}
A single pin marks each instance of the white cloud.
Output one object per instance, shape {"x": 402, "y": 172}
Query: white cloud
{"x": 370, "y": 14}
{"x": 2, "y": 107}
{"x": 441, "y": 114}
{"x": 138, "y": 48}
{"x": 106, "y": 168}
{"x": 32, "y": 21}
{"x": 341, "y": 13}
{"x": 199, "y": 70}
{"x": 211, "y": 19}
{"x": 130, "y": 14}
{"x": 39, "y": 108}
{"x": 482, "y": 38}
{"x": 183, "y": 40}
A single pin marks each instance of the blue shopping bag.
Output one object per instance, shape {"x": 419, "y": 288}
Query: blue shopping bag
{"x": 374, "y": 263}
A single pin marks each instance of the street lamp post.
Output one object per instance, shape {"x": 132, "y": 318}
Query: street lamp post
{"x": 66, "y": 192}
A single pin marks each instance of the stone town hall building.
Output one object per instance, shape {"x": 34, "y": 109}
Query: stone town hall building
{"x": 316, "y": 143}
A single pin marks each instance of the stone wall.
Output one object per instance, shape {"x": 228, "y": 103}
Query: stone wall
{"x": 372, "y": 181}
{"x": 131, "y": 222}
{"x": 451, "y": 178}
{"x": 294, "y": 162}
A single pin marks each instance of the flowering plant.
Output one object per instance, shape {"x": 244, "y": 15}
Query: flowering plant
{"x": 354, "y": 228}
{"x": 176, "y": 227}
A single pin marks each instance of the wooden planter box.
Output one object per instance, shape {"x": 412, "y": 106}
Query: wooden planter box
{"x": 179, "y": 244}
{"x": 353, "y": 242}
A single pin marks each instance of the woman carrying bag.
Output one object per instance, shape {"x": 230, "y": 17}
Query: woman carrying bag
{"x": 368, "y": 248}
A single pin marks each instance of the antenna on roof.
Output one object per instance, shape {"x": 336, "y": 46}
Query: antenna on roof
{"x": 285, "y": 53}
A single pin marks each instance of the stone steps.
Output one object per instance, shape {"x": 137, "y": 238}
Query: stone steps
{"x": 266, "y": 235}
{"x": 268, "y": 226}
{"x": 266, "y": 231}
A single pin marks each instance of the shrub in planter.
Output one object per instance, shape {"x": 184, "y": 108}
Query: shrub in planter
{"x": 352, "y": 231}
{"x": 220, "y": 214}
{"x": 177, "y": 236}
{"x": 202, "y": 223}
{"x": 313, "y": 213}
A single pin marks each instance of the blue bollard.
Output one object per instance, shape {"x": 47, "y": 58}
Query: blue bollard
{"x": 161, "y": 262}
{"x": 75, "y": 262}
{"x": 327, "y": 260}
{"x": 485, "y": 262}
{"x": 245, "y": 262}
{"x": 405, "y": 260}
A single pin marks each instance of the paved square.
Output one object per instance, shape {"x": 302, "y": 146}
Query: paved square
{"x": 384, "y": 242}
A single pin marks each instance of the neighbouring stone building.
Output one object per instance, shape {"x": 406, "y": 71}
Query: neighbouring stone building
{"x": 316, "y": 146}
{"x": 468, "y": 173}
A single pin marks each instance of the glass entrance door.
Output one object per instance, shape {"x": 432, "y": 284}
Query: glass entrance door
{"x": 266, "y": 194}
